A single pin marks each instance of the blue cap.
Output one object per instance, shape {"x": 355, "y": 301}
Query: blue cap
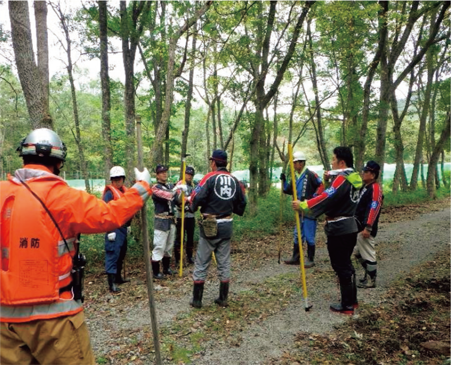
{"x": 161, "y": 168}
{"x": 219, "y": 155}
{"x": 189, "y": 170}
{"x": 372, "y": 166}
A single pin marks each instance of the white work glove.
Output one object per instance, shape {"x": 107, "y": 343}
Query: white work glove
{"x": 142, "y": 176}
{"x": 129, "y": 229}
{"x": 181, "y": 187}
{"x": 112, "y": 236}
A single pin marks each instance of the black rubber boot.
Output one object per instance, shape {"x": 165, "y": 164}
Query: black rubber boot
{"x": 119, "y": 280}
{"x": 370, "y": 281}
{"x": 295, "y": 260}
{"x": 310, "y": 262}
{"x": 347, "y": 298}
{"x": 189, "y": 255}
{"x": 198, "y": 292}
{"x": 177, "y": 255}
{"x": 156, "y": 271}
{"x": 223, "y": 294}
{"x": 167, "y": 266}
{"x": 111, "y": 284}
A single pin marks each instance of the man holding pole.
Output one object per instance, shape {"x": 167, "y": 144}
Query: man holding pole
{"x": 189, "y": 221}
{"x": 308, "y": 185}
{"x": 339, "y": 203}
{"x": 164, "y": 195}
{"x": 219, "y": 195}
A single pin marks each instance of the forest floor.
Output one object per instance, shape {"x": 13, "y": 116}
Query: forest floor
{"x": 405, "y": 320}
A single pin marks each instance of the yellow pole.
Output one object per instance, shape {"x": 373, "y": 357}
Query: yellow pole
{"x": 182, "y": 233}
{"x": 298, "y": 226}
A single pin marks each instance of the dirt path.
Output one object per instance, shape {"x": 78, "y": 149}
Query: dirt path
{"x": 116, "y": 321}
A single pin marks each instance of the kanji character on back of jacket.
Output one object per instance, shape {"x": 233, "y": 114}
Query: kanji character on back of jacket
{"x": 219, "y": 194}
{"x": 38, "y": 308}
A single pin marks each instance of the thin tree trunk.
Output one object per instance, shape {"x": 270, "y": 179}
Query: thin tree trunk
{"x": 444, "y": 138}
{"x": 159, "y": 136}
{"x": 29, "y": 74}
{"x": 274, "y": 138}
{"x": 207, "y": 131}
{"x": 360, "y": 144}
{"x": 322, "y": 142}
{"x": 68, "y": 49}
{"x": 189, "y": 98}
{"x": 106, "y": 94}
{"x": 40, "y": 13}
{"x": 424, "y": 114}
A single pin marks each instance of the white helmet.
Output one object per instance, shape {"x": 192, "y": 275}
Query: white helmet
{"x": 43, "y": 142}
{"x": 117, "y": 171}
{"x": 299, "y": 156}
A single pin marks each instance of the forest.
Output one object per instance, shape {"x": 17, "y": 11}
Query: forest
{"x": 250, "y": 78}
{"x": 246, "y": 77}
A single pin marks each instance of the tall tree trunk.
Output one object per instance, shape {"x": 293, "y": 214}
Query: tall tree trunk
{"x": 130, "y": 34}
{"x": 360, "y": 144}
{"x": 444, "y": 138}
{"x": 167, "y": 147}
{"x": 384, "y": 105}
{"x": 29, "y": 75}
{"x": 424, "y": 113}
{"x": 274, "y": 138}
{"x": 189, "y": 98}
{"x": 106, "y": 94}
{"x": 159, "y": 136}
{"x": 40, "y": 14}
{"x": 207, "y": 131}
{"x": 77, "y": 136}
{"x": 253, "y": 166}
{"x": 320, "y": 131}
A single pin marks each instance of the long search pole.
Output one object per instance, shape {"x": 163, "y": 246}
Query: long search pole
{"x": 182, "y": 233}
{"x": 145, "y": 239}
{"x": 298, "y": 226}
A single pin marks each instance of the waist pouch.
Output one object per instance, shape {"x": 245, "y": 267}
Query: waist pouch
{"x": 210, "y": 226}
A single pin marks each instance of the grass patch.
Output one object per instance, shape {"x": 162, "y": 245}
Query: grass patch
{"x": 418, "y": 196}
{"x": 414, "y": 315}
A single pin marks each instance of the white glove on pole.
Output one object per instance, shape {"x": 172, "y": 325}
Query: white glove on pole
{"x": 129, "y": 229}
{"x": 112, "y": 236}
{"x": 142, "y": 176}
{"x": 181, "y": 187}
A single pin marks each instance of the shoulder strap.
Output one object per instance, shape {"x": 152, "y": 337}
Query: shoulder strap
{"x": 48, "y": 212}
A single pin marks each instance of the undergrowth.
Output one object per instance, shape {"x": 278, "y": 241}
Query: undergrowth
{"x": 265, "y": 223}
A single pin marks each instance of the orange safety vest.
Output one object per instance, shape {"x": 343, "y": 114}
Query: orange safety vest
{"x": 35, "y": 262}
{"x": 117, "y": 193}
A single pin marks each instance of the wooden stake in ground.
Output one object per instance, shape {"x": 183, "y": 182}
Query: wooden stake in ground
{"x": 145, "y": 240}
{"x": 298, "y": 226}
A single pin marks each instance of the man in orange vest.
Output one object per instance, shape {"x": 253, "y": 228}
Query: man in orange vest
{"x": 115, "y": 241}
{"x": 41, "y": 313}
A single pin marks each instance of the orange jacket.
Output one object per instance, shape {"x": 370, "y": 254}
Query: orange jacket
{"x": 117, "y": 193}
{"x": 36, "y": 263}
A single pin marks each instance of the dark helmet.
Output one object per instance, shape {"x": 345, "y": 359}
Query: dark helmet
{"x": 43, "y": 142}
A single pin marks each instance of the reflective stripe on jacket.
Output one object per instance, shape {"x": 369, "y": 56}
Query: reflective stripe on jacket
{"x": 36, "y": 263}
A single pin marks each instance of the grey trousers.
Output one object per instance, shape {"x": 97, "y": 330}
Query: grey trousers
{"x": 221, "y": 248}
